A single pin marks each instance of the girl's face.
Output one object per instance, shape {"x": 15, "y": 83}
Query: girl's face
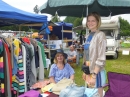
{"x": 92, "y": 23}
{"x": 60, "y": 57}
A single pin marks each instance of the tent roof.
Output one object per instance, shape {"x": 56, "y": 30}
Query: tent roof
{"x": 78, "y": 8}
{"x": 58, "y": 3}
{"x": 10, "y": 15}
{"x": 63, "y": 24}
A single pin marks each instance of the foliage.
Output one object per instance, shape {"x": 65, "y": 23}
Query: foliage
{"x": 16, "y": 28}
{"x": 126, "y": 45}
{"x": 70, "y": 19}
{"x": 55, "y": 18}
{"x": 77, "y": 22}
{"x": 125, "y": 27}
{"x": 74, "y": 20}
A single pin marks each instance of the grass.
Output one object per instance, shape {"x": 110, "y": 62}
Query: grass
{"x": 120, "y": 65}
{"x": 126, "y": 45}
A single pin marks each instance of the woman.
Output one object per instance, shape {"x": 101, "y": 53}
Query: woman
{"x": 94, "y": 53}
{"x": 60, "y": 69}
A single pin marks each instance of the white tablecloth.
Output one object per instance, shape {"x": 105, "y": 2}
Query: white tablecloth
{"x": 56, "y": 42}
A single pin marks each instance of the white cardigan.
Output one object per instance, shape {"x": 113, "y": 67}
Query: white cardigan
{"x": 97, "y": 51}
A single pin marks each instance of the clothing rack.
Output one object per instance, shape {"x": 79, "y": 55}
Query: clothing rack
{"x": 5, "y": 31}
{"x": 10, "y": 31}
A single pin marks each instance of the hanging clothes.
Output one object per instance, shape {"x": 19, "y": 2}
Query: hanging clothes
{"x": 34, "y": 43}
{"x": 42, "y": 52}
{"x": 8, "y": 69}
{"x": 28, "y": 66}
{"x": 34, "y": 77}
{"x": 18, "y": 65}
{"x": 18, "y": 81}
{"x": 40, "y": 70}
{"x": 24, "y": 65}
{"x": 2, "y": 68}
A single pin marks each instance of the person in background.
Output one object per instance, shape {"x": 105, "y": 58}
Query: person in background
{"x": 71, "y": 54}
{"x": 60, "y": 69}
{"x": 42, "y": 39}
{"x": 94, "y": 53}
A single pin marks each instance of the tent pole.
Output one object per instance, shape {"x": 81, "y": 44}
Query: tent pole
{"x": 49, "y": 47}
{"x": 86, "y": 10}
{"x": 62, "y": 36}
{"x": 86, "y": 19}
{"x": 19, "y": 30}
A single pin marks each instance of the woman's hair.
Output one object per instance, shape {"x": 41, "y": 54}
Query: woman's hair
{"x": 97, "y": 17}
{"x": 55, "y": 59}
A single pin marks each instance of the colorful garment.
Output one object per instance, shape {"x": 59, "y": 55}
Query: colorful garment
{"x": 18, "y": 84}
{"x": 2, "y": 80}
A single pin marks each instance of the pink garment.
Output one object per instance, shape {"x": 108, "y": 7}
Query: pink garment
{"x": 40, "y": 84}
{"x": 20, "y": 72}
{"x": 31, "y": 93}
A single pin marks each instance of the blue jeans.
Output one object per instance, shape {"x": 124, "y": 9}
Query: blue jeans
{"x": 72, "y": 91}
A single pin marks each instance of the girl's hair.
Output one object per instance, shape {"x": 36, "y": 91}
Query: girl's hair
{"x": 55, "y": 59}
{"x": 97, "y": 17}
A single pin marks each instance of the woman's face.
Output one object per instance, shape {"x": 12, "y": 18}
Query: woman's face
{"x": 60, "y": 57}
{"x": 92, "y": 23}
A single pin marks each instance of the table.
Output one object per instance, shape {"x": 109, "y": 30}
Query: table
{"x": 49, "y": 52}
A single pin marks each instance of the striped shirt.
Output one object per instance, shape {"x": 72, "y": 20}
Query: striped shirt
{"x": 2, "y": 79}
{"x": 18, "y": 83}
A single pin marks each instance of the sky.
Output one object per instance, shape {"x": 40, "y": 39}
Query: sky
{"x": 28, "y": 5}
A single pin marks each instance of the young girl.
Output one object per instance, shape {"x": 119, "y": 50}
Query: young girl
{"x": 94, "y": 53}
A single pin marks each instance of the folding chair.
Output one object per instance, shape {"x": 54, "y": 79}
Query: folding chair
{"x": 119, "y": 85}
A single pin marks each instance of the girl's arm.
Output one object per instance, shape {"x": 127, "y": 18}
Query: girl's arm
{"x": 52, "y": 80}
{"x": 72, "y": 77}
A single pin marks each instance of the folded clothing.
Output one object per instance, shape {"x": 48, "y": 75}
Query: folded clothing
{"x": 31, "y": 93}
{"x": 40, "y": 84}
{"x": 48, "y": 87}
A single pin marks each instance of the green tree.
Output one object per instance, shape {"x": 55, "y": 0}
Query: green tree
{"x": 124, "y": 27}
{"x": 77, "y": 22}
{"x": 16, "y": 28}
{"x": 74, "y": 20}
{"x": 55, "y": 18}
{"x": 70, "y": 19}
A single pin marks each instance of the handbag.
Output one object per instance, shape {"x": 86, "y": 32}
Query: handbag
{"x": 72, "y": 91}
{"x": 85, "y": 69}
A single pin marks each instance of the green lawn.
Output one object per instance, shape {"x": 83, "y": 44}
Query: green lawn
{"x": 126, "y": 45}
{"x": 120, "y": 65}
